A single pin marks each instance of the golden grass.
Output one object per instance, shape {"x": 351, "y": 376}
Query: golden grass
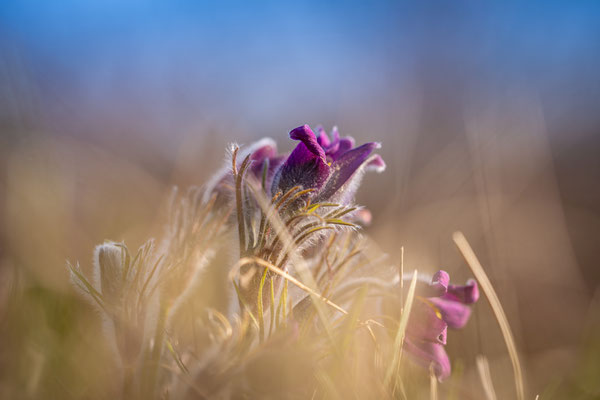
{"x": 433, "y": 382}
{"x": 393, "y": 368}
{"x": 490, "y": 293}
{"x": 483, "y": 368}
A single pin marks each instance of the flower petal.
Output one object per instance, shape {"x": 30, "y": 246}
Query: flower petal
{"x": 435, "y": 287}
{"x": 335, "y": 134}
{"x": 266, "y": 150}
{"x": 426, "y": 353}
{"x": 306, "y": 166}
{"x": 342, "y": 170}
{"x": 274, "y": 164}
{"x": 440, "y": 281}
{"x": 308, "y": 148}
{"x": 322, "y": 137}
{"x": 454, "y": 313}
{"x": 426, "y": 324}
{"x": 375, "y": 163}
{"x": 467, "y": 294}
{"x": 343, "y": 146}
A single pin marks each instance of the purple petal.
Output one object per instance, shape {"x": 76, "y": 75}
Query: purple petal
{"x": 329, "y": 145}
{"x": 322, "y": 137}
{"x": 440, "y": 281}
{"x": 220, "y": 182}
{"x": 266, "y": 151}
{"x": 467, "y": 294}
{"x": 435, "y": 287}
{"x": 375, "y": 163}
{"x": 335, "y": 134}
{"x": 306, "y": 166}
{"x": 454, "y": 313}
{"x": 426, "y": 353}
{"x": 426, "y": 324}
{"x": 344, "y": 145}
{"x": 260, "y": 155}
{"x": 344, "y": 168}
{"x": 274, "y": 164}
{"x": 309, "y": 146}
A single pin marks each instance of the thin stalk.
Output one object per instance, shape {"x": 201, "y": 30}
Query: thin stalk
{"x": 281, "y": 305}
{"x": 483, "y": 367}
{"x": 471, "y": 259}
{"x": 264, "y": 223}
{"x": 394, "y": 367}
{"x": 401, "y": 279}
{"x": 272, "y": 306}
{"x": 239, "y": 175}
{"x": 433, "y": 389}
{"x": 260, "y": 307}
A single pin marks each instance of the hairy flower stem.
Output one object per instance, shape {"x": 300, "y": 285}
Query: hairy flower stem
{"x": 238, "y": 175}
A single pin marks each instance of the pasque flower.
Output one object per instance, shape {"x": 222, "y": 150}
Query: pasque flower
{"x": 331, "y": 166}
{"x": 322, "y": 172}
{"x": 439, "y": 306}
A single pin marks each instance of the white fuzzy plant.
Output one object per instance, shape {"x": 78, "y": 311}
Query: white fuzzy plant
{"x": 136, "y": 294}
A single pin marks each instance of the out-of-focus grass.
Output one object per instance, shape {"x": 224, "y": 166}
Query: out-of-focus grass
{"x": 52, "y": 346}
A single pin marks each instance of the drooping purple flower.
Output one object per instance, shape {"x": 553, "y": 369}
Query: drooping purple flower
{"x": 439, "y": 305}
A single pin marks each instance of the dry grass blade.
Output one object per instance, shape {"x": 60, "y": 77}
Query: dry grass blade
{"x": 352, "y": 321}
{"x": 433, "y": 389}
{"x": 483, "y": 367}
{"x": 399, "y": 339}
{"x": 401, "y": 278}
{"x": 176, "y": 357}
{"x": 488, "y": 289}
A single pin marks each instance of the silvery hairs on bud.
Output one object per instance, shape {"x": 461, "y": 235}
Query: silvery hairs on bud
{"x": 108, "y": 269}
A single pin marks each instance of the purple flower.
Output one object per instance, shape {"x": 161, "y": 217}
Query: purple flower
{"x": 320, "y": 169}
{"x": 333, "y": 167}
{"x": 440, "y": 305}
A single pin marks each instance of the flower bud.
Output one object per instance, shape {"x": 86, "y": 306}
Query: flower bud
{"x": 108, "y": 264}
{"x": 119, "y": 293}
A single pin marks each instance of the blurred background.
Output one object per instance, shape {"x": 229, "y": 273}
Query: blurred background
{"x": 488, "y": 115}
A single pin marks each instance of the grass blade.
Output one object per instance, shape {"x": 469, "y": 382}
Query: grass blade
{"x": 483, "y": 367}
{"x": 490, "y": 293}
{"x": 394, "y": 366}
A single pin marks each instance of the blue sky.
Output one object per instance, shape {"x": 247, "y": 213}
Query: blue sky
{"x": 268, "y": 64}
